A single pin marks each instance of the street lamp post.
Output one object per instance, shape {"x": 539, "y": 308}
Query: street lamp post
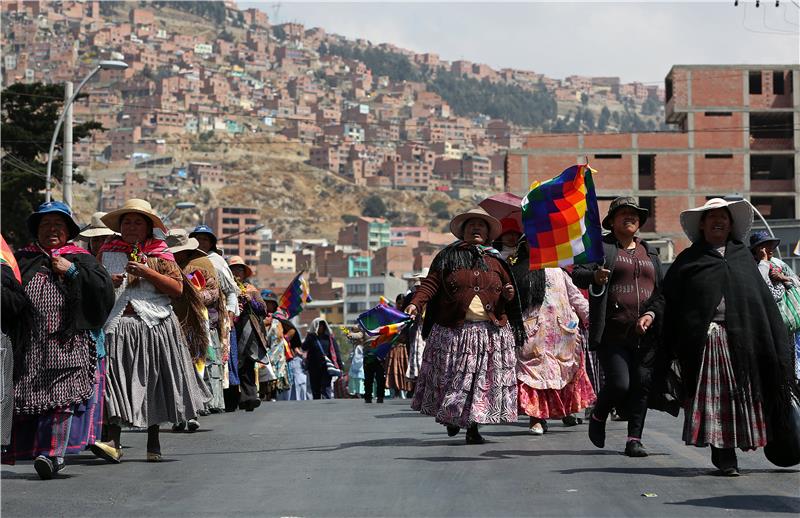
{"x": 245, "y": 231}
{"x": 179, "y": 206}
{"x": 102, "y": 65}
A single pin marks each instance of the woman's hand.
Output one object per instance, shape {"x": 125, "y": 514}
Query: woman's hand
{"x": 117, "y": 279}
{"x": 643, "y": 324}
{"x": 508, "y": 291}
{"x": 137, "y": 269}
{"x": 411, "y": 309}
{"x": 601, "y": 276}
{"x": 776, "y": 276}
{"x": 60, "y": 265}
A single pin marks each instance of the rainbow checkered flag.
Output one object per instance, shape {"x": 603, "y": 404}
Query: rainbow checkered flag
{"x": 383, "y": 325}
{"x": 561, "y": 220}
{"x": 295, "y": 296}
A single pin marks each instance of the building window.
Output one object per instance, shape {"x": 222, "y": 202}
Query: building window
{"x": 647, "y": 164}
{"x": 649, "y": 203}
{"x": 774, "y": 207}
{"x": 356, "y": 289}
{"x": 376, "y": 288}
{"x": 718, "y": 114}
{"x": 714, "y": 156}
{"x": 755, "y": 82}
{"x": 778, "y": 85}
{"x": 608, "y": 157}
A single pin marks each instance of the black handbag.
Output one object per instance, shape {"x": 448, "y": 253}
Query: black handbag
{"x": 784, "y": 448}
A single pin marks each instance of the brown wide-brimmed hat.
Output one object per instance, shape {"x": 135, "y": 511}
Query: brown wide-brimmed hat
{"x": 457, "y": 224}
{"x": 96, "y": 228}
{"x": 624, "y": 201}
{"x": 741, "y": 213}
{"x": 112, "y": 219}
{"x": 237, "y": 260}
{"x": 178, "y": 240}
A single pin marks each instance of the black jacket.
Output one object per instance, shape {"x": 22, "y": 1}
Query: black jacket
{"x": 583, "y": 277}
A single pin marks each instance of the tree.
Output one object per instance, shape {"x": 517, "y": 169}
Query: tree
{"x": 602, "y": 121}
{"x": 29, "y": 114}
{"x": 650, "y": 107}
{"x": 374, "y": 207}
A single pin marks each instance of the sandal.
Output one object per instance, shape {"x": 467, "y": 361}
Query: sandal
{"x": 153, "y": 456}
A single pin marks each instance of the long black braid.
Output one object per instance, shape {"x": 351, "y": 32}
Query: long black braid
{"x": 530, "y": 283}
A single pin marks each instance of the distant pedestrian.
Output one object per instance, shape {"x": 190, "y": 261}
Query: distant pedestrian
{"x": 223, "y": 336}
{"x": 724, "y": 327}
{"x": 151, "y": 376}
{"x": 472, "y": 324}
{"x": 251, "y": 340}
{"x": 323, "y": 358}
{"x": 784, "y": 285}
{"x": 96, "y": 233}
{"x": 397, "y": 361}
{"x": 621, "y": 330}
{"x": 59, "y": 375}
{"x": 355, "y": 382}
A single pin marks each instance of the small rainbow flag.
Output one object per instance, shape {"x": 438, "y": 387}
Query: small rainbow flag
{"x": 562, "y": 221}
{"x": 7, "y": 257}
{"x": 295, "y": 296}
{"x": 382, "y": 320}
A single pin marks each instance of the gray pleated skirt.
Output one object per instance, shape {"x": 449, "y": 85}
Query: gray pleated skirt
{"x": 151, "y": 379}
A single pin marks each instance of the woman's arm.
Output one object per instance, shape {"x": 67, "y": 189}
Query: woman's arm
{"x": 576, "y": 298}
{"x": 427, "y": 290}
{"x": 169, "y": 283}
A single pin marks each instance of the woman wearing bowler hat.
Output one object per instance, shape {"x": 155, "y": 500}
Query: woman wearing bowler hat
{"x": 620, "y": 329}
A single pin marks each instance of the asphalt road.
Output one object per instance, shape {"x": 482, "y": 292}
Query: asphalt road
{"x": 345, "y": 458}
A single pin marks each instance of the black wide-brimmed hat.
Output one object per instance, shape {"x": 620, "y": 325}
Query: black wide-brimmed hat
{"x": 624, "y": 201}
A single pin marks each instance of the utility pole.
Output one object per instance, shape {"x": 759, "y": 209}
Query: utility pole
{"x": 67, "y": 149}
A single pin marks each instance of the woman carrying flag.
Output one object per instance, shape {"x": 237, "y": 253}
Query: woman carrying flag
{"x": 472, "y": 324}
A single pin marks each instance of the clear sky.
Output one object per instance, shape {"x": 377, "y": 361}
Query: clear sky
{"x": 637, "y": 41}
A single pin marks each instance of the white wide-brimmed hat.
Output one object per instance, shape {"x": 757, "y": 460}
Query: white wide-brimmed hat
{"x": 741, "y": 212}
{"x": 96, "y": 228}
{"x": 112, "y": 219}
{"x": 178, "y": 240}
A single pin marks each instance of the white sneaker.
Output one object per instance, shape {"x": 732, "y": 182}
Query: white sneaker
{"x": 536, "y": 429}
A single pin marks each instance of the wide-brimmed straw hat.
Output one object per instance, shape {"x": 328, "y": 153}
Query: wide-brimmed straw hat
{"x": 112, "y": 219}
{"x": 96, "y": 228}
{"x": 760, "y": 237}
{"x": 237, "y": 260}
{"x": 178, "y": 240}
{"x": 741, "y": 212}
{"x": 457, "y": 223}
{"x": 53, "y": 207}
{"x": 624, "y": 201}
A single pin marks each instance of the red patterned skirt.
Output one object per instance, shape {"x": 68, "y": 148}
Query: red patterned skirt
{"x": 557, "y": 403}
{"x": 720, "y": 414}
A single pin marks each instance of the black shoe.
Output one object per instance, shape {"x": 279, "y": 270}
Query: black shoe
{"x": 473, "y": 436}
{"x": 452, "y": 431}
{"x": 635, "y": 449}
{"x": 724, "y": 459}
{"x": 597, "y": 432}
{"x": 193, "y": 425}
{"x": 571, "y": 420}
{"x": 47, "y": 467}
{"x": 367, "y": 400}
{"x": 379, "y": 401}
{"x": 179, "y": 427}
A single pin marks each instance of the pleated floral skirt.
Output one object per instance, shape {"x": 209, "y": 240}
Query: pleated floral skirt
{"x": 151, "y": 378}
{"x": 467, "y": 375}
{"x": 721, "y": 413}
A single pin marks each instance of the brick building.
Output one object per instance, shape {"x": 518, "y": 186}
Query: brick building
{"x": 737, "y": 132}
{"x": 230, "y": 220}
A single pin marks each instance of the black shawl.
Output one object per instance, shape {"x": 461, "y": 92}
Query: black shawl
{"x": 89, "y": 296}
{"x": 461, "y": 255}
{"x": 760, "y": 348}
